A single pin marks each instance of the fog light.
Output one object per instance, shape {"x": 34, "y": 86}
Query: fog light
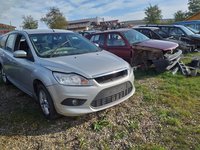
{"x": 73, "y": 102}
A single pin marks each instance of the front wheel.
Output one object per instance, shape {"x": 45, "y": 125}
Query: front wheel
{"x": 46, "y": 103}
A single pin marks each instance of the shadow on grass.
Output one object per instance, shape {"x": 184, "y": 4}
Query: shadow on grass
{"x": 143, "y": 74}
{"x": 21, "y": 115}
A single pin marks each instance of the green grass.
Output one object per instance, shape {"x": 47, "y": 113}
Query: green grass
{"x": 133, "y": 124}
{"x": 177, "y": 101}
{"x": 100, "y": 124}
{"x": 188, "y": 57}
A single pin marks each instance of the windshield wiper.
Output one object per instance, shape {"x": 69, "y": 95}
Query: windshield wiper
{"x": 56, "y": 49}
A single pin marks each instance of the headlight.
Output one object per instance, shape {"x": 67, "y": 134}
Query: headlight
{"x": 70, "y": 79}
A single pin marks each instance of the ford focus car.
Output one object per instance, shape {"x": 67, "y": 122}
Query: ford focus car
{"x": 65, "y": 72}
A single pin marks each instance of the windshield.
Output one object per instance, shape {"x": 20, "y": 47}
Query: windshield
{"x": 134, "y": 36}
{"x": 187, "y": 31}
{"x": 60, "y": 44}
{"x": 193, "y": 30}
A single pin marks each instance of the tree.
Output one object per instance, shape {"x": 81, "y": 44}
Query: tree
{"x": 153, "y": 14}
{"x": 29, "y": 22}
{"x": 55, "y": 19}
{"x": 179, "y": 16}
{"x": 193, "y": 7}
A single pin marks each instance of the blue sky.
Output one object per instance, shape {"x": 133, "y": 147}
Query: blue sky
{"x": 11, "y": 11}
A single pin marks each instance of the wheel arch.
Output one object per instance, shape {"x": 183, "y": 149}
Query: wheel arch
{"x": 36, "y": 82}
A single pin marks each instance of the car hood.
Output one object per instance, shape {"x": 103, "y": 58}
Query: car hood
{"x": 158, "y": 44}
{"x": 88, "y": 65}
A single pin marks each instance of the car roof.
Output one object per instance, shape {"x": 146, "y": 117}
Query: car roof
{"x": 151, "y": 28}
{"x": 40, "y": 31}
{"x": 114, "y": 30}
{"x": 164, "y": 26}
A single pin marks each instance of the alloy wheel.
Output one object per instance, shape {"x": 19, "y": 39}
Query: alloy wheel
{"x": 44, "y": 102}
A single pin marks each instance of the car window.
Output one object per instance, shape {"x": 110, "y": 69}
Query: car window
{"x": 176, "y": 31}
{"x": 21, "y": 43}
{"x": 165, "y": 29}
{"x": 98, "y": 38}
{"x": 154, "y": 35}
{"x": 3, "y": 41}
{"x": 198, "y": 27}
{"x": 134, "y": 36}
{"x": 190, "y": 25}
{"x": 85, "y": 34}
{"x": 146, "y": 32}
{"x": 10, "y": 42}
{"x": 115, "y": 39}
{"x": 161, "y": 33}
{"x": 193, "y": 30}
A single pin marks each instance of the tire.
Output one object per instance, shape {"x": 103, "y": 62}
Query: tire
{"x": 46, "y": 103}
{"x": 3, "y": 76}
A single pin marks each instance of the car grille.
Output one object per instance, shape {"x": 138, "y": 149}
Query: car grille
{"x": 112, "y": 77}
{"x": 112, "y": 94}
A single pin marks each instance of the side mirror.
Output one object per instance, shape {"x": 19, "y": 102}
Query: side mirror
{"x": 96, "y": 44}
{"x": 20, "y": 54}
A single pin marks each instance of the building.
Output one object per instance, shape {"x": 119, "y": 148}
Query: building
{"x": 6, "y": 28}
{"x": 99, "y": 24}
{"x": 194, "y": 17}
{"x": 132, "y": 23}
{"x": 84, "y": 24}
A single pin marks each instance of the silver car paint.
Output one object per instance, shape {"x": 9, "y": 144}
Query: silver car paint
{"x": 22, "y": 73}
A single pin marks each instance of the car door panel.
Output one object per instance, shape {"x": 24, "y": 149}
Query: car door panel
{"x": 23, "y": 66}
{"x": 118, "y": 47}
{"x": 8, "y": 57}
{"x": 24, "y": 73}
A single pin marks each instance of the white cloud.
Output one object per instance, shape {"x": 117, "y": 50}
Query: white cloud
{"x": 13, "y": 10}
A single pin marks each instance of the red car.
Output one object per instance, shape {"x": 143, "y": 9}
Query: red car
{"x": 137, "y": 49}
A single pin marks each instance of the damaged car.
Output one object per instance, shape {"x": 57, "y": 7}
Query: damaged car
{"x": 138, "y": 49}
{"x": 181, "y": 33}
{"x": 158, "y": 34}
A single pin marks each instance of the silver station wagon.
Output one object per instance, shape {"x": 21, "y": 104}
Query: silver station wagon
{"x": 64, "y": 72}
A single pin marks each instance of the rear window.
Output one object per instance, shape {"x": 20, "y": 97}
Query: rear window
{"x": 98, "y": 39}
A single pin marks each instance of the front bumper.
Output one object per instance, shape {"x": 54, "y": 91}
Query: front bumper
{"x": 168, "y": 62}
{"x": 90, "y": 93}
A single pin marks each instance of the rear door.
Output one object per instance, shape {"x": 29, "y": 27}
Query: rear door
{"x": 117, "y": 44}
{"x": 8, "y": 57}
